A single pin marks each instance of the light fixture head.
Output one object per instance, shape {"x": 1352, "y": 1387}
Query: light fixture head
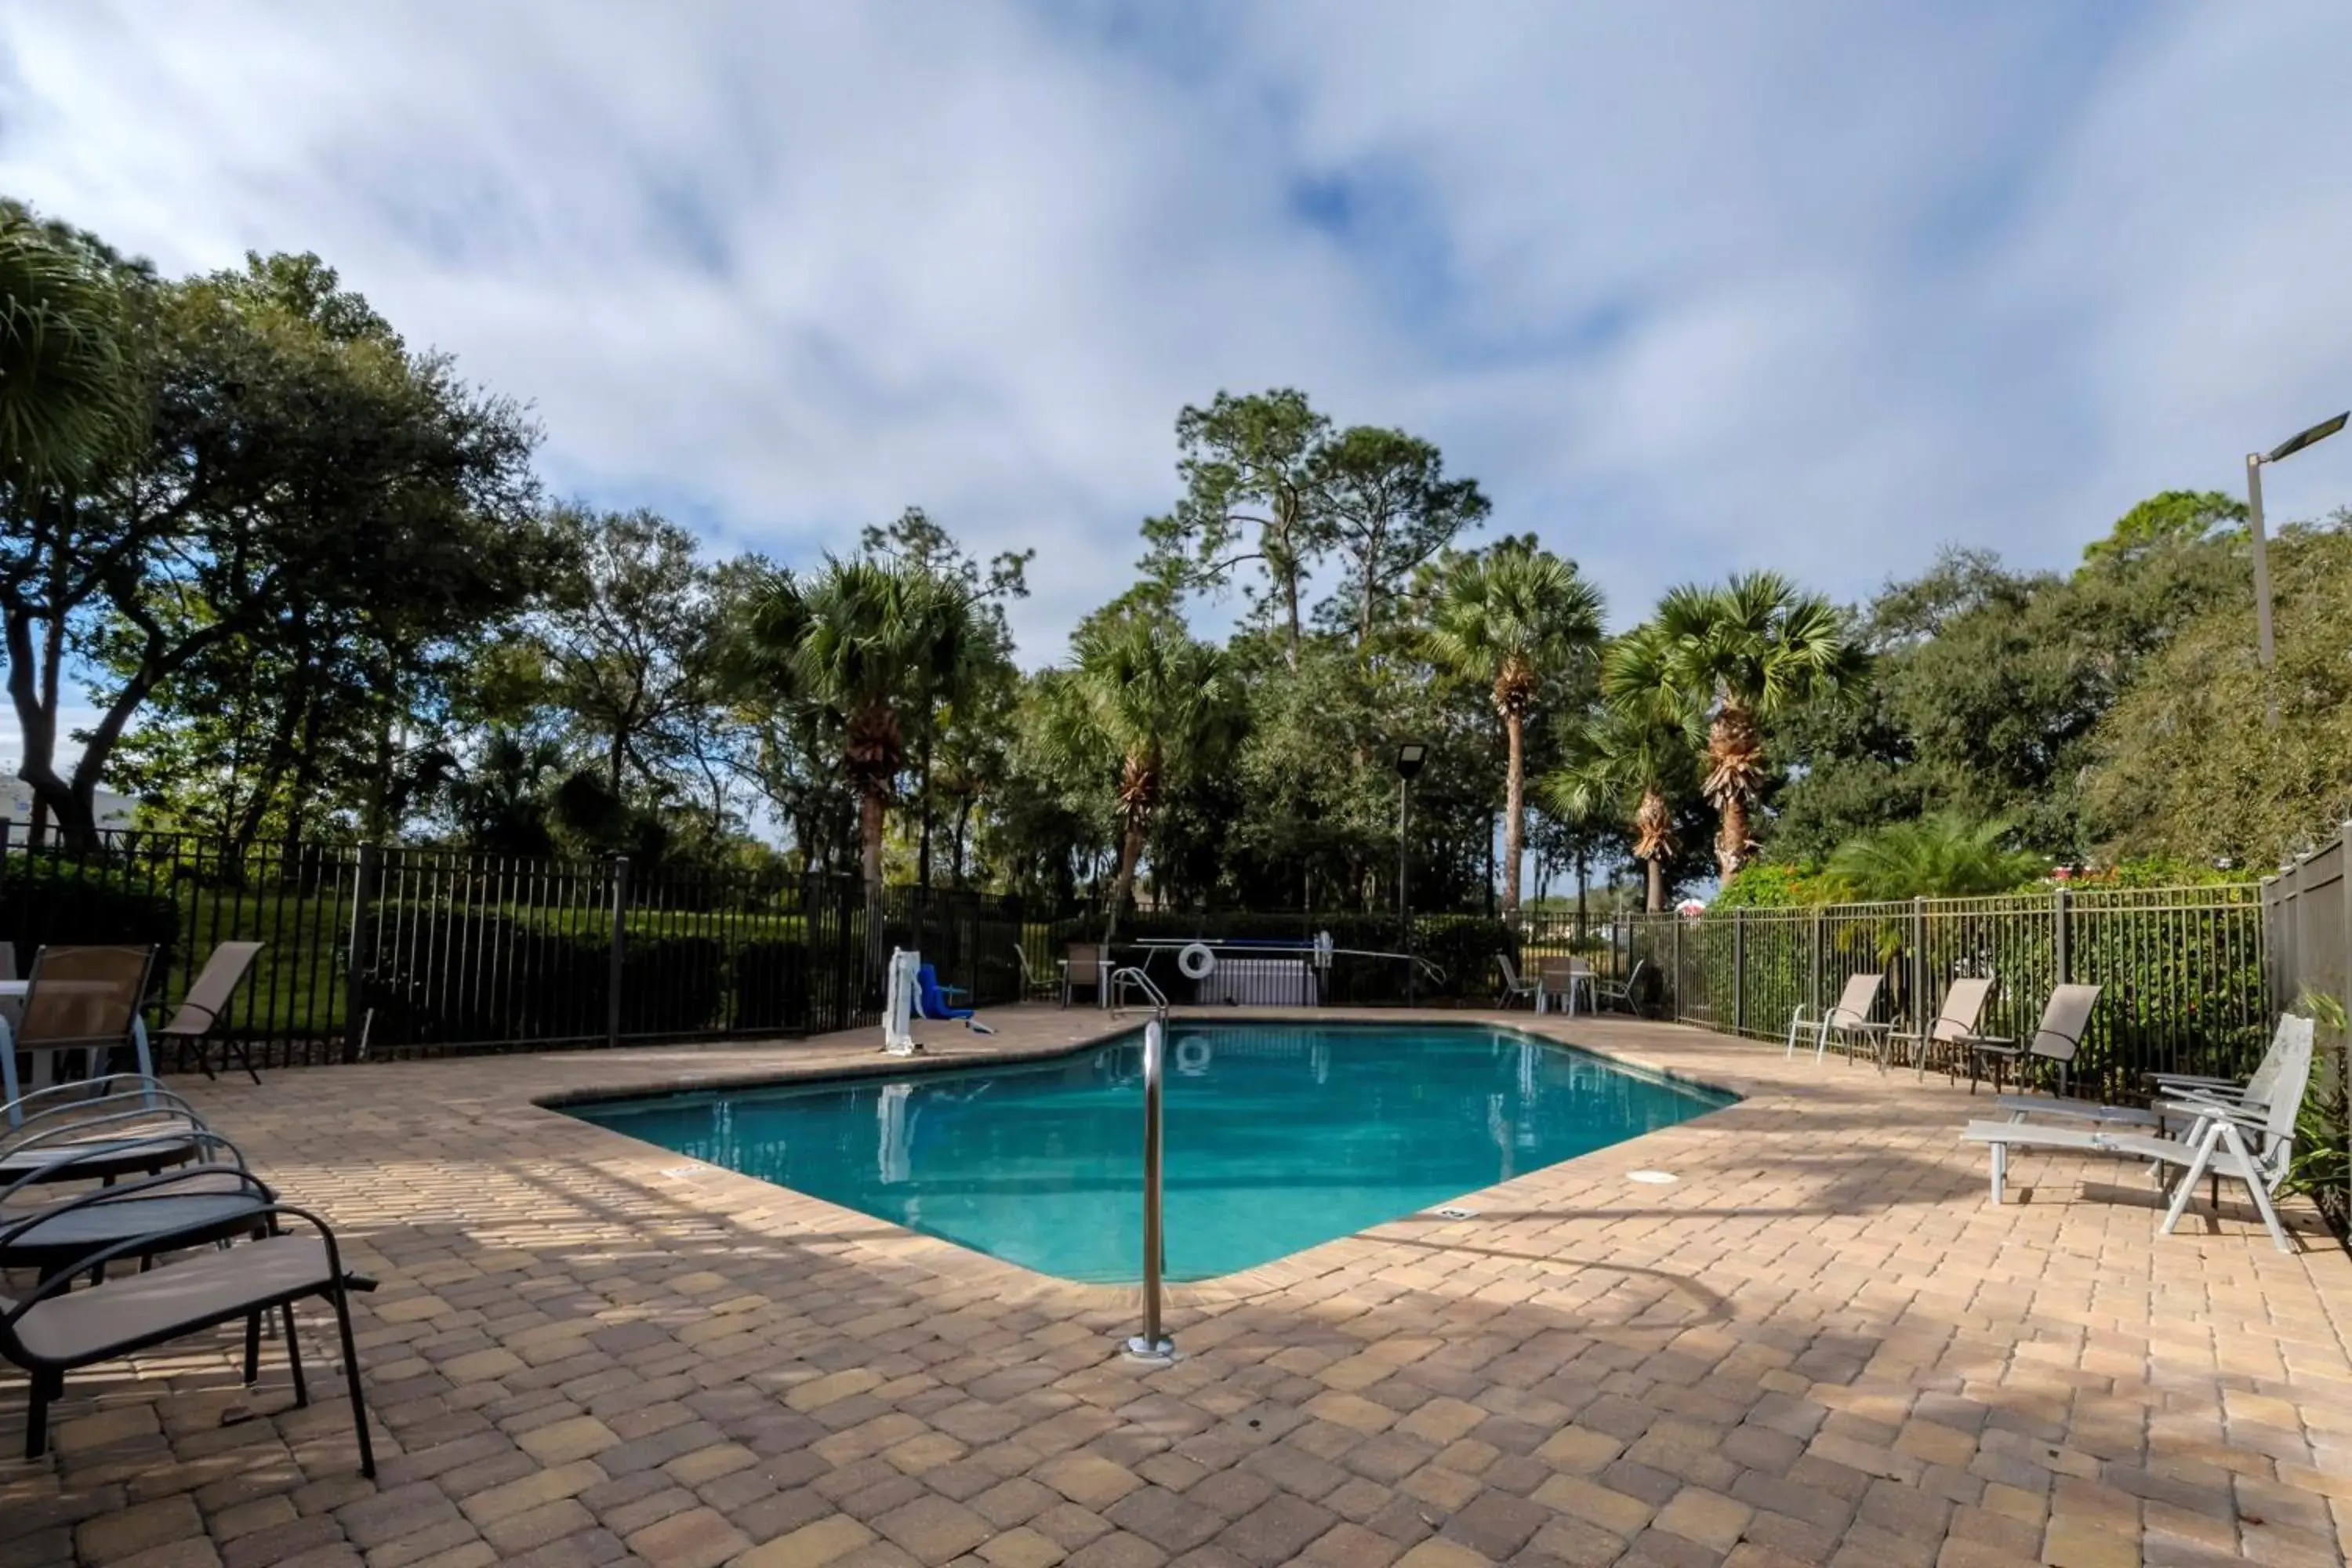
{"x": 1408, "y": 758}
{"x": 2297, "y": 442}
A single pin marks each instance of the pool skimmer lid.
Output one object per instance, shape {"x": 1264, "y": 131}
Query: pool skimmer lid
{"x": 1654, "y": 1178}
{"x": 1455, "y": 1213}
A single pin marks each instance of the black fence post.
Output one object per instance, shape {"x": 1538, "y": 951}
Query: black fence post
{"x": 1918, "y": 1009}
{"x": 359, "y": 958}
{"x": 620, "y": 948}
{"x": 1813, "y": 978}
{"x": 1738, "y": 971}
{"x": 2062, "y": 911}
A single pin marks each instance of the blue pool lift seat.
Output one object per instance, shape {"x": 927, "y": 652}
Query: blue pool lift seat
{"x": 931, "y": 1001}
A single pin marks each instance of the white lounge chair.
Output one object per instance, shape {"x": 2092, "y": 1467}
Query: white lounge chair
{"x": 1847, "y": 1017}
{"x": 1619, "y": 991}
{"x": 2227, "y": 1143}
{"x": 2057, "y": 1038}
{"x": 1513, "y": 986}
{"x": 2180, "y": 1099}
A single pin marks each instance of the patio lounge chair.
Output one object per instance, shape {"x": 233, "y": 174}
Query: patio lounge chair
{"x": 51, "y": 1333}
{"x": 1957, "y": 1020}
{"x": 40, "y": 1235}
{"x": 195, "y": 1023}
{"x": 78, "y": 999}
{"x": 2227, "y": 1143}
{"x": 2181, "y": 1099}
{"x": 1085, "y": 965}
{"x": 1513, "y": 986}
{"x": 1847, "y": 1017}
{"x": 1034, "y": 987}
{"x": 106, "y": 1136}
{"x": 2056, "y": 1039}
{"x": 1620, "y": 991}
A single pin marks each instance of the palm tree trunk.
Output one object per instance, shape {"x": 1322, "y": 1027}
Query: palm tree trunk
{"x": 1514, "y": 818}
{"x": 870, "y": 807}
{"x": 1731, "y": 840}
{"x": 1130, "y": 852}
{"x": 1657, "y": 877}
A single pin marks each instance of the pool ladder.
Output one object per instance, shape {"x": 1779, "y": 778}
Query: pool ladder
{"x": 1131, "y": 978}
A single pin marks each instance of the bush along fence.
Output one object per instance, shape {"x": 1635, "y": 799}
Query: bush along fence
{"x": 374, "y": 954}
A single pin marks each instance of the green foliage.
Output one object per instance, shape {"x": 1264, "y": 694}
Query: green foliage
{"x": 2323, "y": 1132}
{"x": 2172, "y": 518}
{"x": 1776, "y": 885}
{"x": 46, "y": 900}
{"x": 1739, "y": 657}
{"x": 2184, "y": 766}
{"x": 67, "y": 395}
{"x": 1514, "y": 618}
{"x": 1942, "y": 855}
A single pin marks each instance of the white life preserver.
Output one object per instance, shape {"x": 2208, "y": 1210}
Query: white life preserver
{"x": 1197, "y": 961}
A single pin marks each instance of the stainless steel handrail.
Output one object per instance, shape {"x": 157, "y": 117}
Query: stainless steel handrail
{"x": 1120, "y": 979}
{"x": 1152, "y": 1344}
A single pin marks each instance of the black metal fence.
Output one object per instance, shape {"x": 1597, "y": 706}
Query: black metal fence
{"x": 373, "y": 953}
{"x": 2181, "y": 970}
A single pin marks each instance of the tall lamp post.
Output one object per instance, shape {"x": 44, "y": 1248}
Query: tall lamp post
{"x": 2254, "y": 461}
{"x": 1408, "y": 758}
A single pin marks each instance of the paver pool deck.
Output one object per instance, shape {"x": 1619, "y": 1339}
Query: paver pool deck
{"x": 1819, "y": 1344}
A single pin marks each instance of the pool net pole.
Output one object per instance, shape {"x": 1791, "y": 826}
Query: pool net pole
{"x": 1152, "y": 1344}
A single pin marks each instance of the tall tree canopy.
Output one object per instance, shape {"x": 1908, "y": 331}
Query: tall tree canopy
{"x": 1512, "y": 617}
{"x": 1743, "y": 655}
{"x": 304, "y": 480}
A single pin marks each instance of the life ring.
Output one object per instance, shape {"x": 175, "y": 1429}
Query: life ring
{"x": 1192, "y": 1056}
{"x": 1196, "y": 962}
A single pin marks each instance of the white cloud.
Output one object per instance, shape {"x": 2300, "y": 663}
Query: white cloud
{"x": 1687, "y": 289}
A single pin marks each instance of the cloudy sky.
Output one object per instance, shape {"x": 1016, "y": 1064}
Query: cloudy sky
{"x": 1688, "y": 287}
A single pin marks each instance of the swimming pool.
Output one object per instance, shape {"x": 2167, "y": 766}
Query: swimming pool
{"x": 1279, "y": 1136}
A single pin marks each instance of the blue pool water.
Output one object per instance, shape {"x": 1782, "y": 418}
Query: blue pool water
{"x": 1278, "y": 1137}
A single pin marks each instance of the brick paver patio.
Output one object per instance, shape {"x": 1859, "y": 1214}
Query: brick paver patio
{"x": 1820, "y": 1345}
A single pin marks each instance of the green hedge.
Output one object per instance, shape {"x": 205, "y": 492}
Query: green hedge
{"x": 461, "y": 977}
{"x": 44, "y": 902}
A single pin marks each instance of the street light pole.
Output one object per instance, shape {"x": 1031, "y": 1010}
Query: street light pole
{"x": 2265, "y": 647}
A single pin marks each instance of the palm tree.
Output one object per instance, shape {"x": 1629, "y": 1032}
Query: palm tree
{"x": 1941, "y": 854}
{"x": 1513, "y": 619}
{"x": 1633, "y": 756}
{"x": 1741, "y": 655}
{"x": 1144, "y": 695}
{"x": 875, "y": 640}
{"x": 64, "y": 393}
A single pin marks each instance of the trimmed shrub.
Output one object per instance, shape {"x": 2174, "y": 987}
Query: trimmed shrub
{"x": 45, "y": 902}
{"x": 769, "y": 982}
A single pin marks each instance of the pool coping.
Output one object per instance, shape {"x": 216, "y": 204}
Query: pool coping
{"x": 953, "y": 1260}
